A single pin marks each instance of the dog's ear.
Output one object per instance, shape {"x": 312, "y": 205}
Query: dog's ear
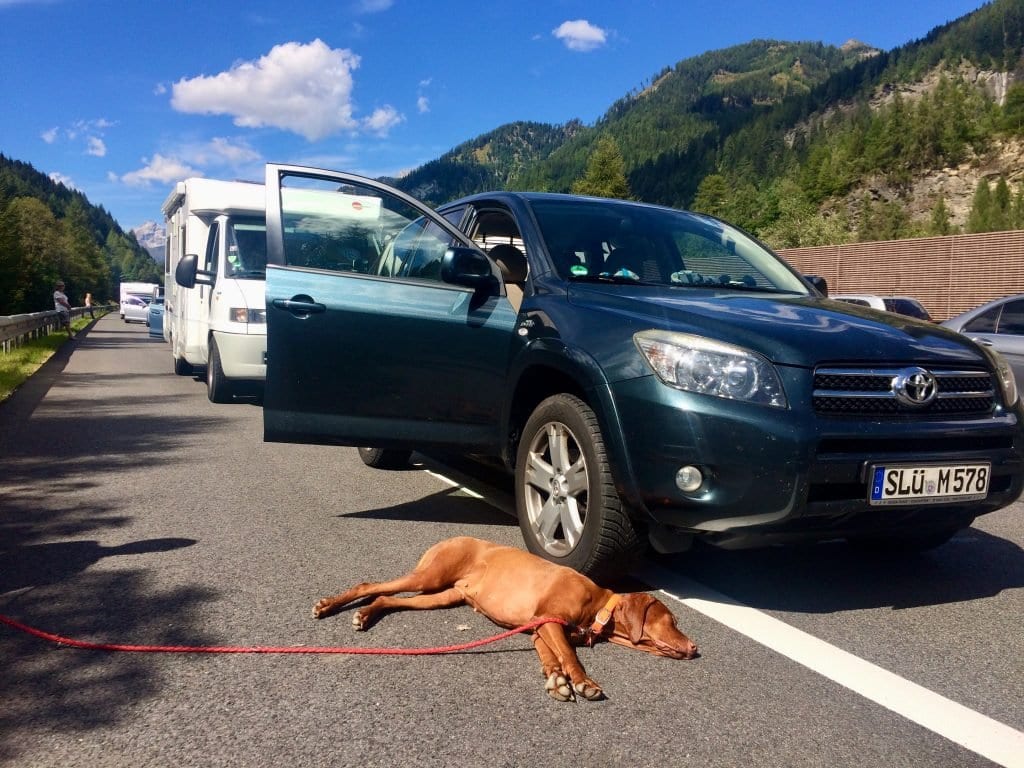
{"x": 634, "y": 611}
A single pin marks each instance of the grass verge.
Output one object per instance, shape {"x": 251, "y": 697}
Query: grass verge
{"x": 21, "y": 362}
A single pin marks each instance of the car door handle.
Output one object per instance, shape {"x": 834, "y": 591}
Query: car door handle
{"x": 300, "y": 308}
{"x": 983, "y": 342}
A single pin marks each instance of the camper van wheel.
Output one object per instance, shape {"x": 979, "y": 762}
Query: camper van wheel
{"x": 218, "y": 388}
{"x": 182, "y": 367}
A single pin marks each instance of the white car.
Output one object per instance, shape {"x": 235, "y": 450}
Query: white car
{"x": 136, "y": 310}
{"x": 901, "y": 305}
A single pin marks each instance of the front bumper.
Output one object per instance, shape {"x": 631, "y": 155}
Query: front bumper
{"x": 775, "y": 474}
{"x": 242, "y": 356}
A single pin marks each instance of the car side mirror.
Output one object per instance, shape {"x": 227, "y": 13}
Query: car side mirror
{"x": 818, "y": 283}
{"x": 187, "y": 274}
{"x": 468, "y": 267}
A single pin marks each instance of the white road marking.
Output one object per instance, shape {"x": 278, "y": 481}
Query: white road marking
{"x": 972, "y": 730}
{"x": 980, "y": 734}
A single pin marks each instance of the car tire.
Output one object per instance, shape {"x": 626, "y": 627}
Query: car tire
{"x": 218, "y": 388}
{"x": 569, "y": 511}
{"x": 385, "y": 458}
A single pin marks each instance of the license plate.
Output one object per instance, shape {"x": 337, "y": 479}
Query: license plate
{"x": 927, "y": 483}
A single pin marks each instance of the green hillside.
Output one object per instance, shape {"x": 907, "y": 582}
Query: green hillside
{"x": 802, "y": 143}
{"x": 48, "y": 231}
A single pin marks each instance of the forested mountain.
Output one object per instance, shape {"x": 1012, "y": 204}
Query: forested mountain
{"x": 50, "y": 232}
{"x": 802, "y": 143}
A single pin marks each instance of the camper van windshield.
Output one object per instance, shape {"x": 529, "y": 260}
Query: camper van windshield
{"x": 247, "y": 249}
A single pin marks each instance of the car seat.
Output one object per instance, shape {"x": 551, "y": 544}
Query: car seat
{"x": 514, "y": 269}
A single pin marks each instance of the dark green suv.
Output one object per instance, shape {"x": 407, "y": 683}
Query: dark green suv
{"x": 649, "y": 375}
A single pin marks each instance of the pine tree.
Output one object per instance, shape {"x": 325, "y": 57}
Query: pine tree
{"x": 606, "y": 172}
{"x": 1000, "y": 219}
{"x": 940, "y": 223}
{"x": 712, "y": 196}
{"x": 981, "y": 209}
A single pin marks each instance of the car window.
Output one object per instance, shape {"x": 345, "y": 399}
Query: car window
{"x": 1012, "y": 319}
{"x": 355, "y": 228}
{"x": 417, "y": 251}
{"x": 624, "y": 242}
{"x": 907, "y": 307}
{"x": 986, "y": 322}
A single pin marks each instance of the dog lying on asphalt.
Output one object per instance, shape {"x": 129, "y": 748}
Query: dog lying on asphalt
{"x": 512, "y": 588}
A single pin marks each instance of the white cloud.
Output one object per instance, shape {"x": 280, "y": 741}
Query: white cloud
{"x": 373, "y": 6}
{"x": 303, "y": 88}
{"x": 580, "y": 35}
{"x": 221, "y": 151}
{"x": 96, "y": 147}
{"x": 161, "y": 169}
{"x": 159, "y": 89}
{"x": 60, "y": 178}
{"x": 423, "y": 104}
{"x": 383, "y": 120}
{"x": 50, "y": 136}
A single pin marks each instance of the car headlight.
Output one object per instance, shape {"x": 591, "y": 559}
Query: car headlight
{"x": 1007, "y": 381}
{"x": 708, "y": 367}
{"x": 243, "y": 315}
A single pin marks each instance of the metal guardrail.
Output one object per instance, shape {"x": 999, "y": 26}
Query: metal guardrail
{"x": 15, "y": 330}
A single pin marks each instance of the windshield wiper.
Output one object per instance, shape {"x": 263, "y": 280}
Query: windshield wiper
{"x": 604, "y": 277}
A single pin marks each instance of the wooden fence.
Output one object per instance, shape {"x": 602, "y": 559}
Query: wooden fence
{"x": 949, "y": 275}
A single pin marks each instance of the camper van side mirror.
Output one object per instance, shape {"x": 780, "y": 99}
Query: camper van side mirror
{"x": 187, "y": 274}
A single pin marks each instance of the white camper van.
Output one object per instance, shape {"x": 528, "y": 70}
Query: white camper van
{"x": 215, "y": 318}
{"x": 139, "y": 290}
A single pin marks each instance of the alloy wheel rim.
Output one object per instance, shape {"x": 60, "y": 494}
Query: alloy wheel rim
{"x": 557, "y": 484}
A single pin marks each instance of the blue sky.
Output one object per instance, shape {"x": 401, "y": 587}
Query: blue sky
{"x": 121, "y": 98}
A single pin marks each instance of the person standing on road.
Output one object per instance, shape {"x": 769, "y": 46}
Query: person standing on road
{"x": 60, "y": 303}
{"x": 88, "y": 305}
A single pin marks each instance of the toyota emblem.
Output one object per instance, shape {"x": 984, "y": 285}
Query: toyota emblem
{"x": 914, "y": 387}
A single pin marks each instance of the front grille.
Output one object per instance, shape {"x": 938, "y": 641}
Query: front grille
{"x": 873, "y": 392}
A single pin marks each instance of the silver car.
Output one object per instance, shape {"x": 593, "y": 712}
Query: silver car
{"x": 998, "y": 324}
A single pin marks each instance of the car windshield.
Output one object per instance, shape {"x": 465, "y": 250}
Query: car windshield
{"x": 247, "y": 249}
{"x": 621, "y": 242}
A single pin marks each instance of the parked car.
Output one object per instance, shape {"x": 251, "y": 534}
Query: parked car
{"x": 647, "y": 375}
{"x": 999, "y": 325}
{"x": 136, "y": 309}
{"x": 155, "y": 318}
{"x": 901, "y": 305}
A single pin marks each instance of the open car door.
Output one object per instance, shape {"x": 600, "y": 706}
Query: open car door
{"x": 370, "y": 315}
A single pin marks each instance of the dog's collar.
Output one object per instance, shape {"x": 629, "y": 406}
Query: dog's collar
{"x": 604, "y": 615}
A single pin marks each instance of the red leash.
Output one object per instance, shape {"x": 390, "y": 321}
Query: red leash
{"x": 261, "y": 649}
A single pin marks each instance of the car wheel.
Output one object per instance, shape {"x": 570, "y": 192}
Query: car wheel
{"x": 385, "y": 458}
{"x": 906, "y": 543}
{"x": 569, "y": 511}
{"x": 218, "y": 388}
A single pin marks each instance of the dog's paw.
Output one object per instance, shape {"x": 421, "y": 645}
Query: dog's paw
{"x": 589, "y": 690}
{"x": 558, "y": 687}
{"x": 360, "y": 620}
{"x": 322, "y": 608}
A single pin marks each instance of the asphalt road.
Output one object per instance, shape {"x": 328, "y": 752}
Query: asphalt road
{"x": 133, "y": 510}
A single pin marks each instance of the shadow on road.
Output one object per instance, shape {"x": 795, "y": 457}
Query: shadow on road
{"x": 63, "y": 435}
{"x": 831, "y": 577}
{"x": 450, "y": 506}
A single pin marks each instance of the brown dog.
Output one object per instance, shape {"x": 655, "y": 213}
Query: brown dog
{"x": 512, "y": 588}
